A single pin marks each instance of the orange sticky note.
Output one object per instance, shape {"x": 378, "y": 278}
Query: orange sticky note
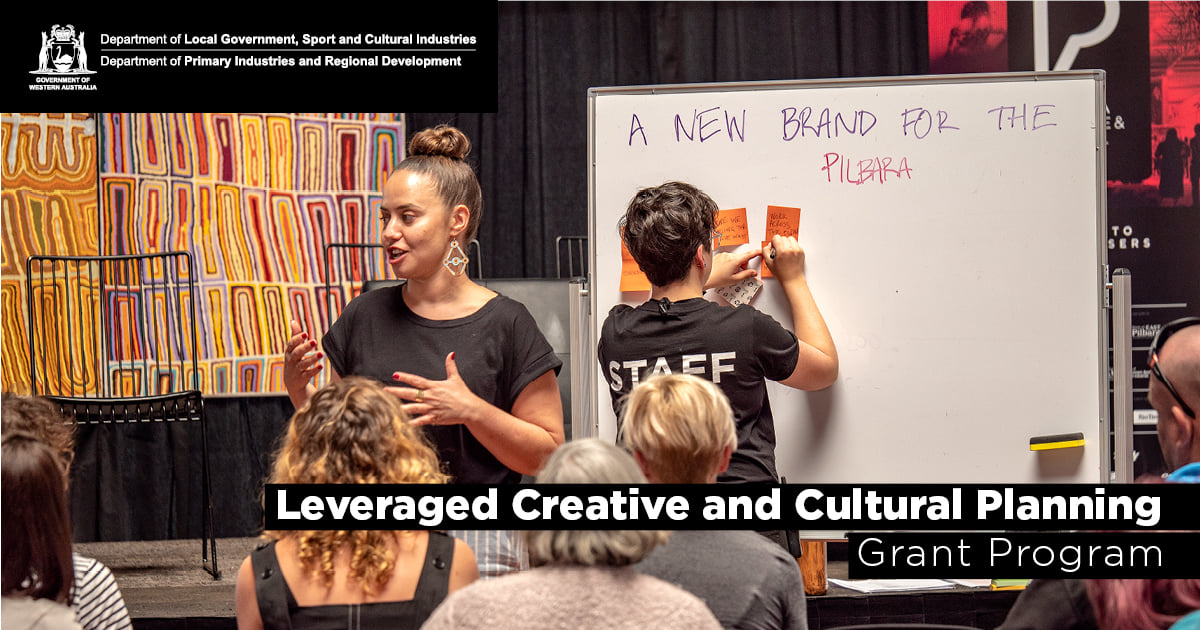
{"x": 765, "y": 272}
{"x": 632, "y": 278}
{"x": 732, "y": 226}
{"x": 783, "y": 221}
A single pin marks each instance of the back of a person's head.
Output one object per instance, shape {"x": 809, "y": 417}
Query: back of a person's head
{"x": 1178, "y": 361}
{"x": 352, "y": 431}
{"x": 663, "y": 226}
{"x": 36, "y": 524}
{"x": 681, "y": 425}
{"x": 1182, "y": 363}
{"x": 41, "y": 418}
{"x": 1142, "y": 604}
{"x": 583, "y": 461}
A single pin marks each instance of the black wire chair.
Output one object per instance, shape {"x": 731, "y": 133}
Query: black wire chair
{"x": 573, "y": 250}
{"x": 113, "y": 340}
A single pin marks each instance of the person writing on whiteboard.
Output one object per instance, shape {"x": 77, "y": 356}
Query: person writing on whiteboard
{"x": 472, "y": 365}
{"x": 668, "y": 230}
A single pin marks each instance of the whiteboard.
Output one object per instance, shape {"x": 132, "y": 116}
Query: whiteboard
{"x": 965, "y": 292}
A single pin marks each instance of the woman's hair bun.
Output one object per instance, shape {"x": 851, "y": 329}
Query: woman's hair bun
{"x": 440, "y": 141}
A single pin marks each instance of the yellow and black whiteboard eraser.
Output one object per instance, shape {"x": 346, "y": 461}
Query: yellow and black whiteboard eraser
{"x": 1062, "y": 440}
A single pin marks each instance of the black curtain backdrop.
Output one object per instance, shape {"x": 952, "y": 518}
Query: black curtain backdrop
{"x": 143, "y": 482}
{"x": 531, "y": 155}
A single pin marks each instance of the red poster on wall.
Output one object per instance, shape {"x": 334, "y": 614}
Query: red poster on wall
{"x": 968, "y": 37}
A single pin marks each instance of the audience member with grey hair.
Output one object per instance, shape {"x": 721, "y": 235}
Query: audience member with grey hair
{"x": 680, "y": 428}
{"x": 581, "y": 579}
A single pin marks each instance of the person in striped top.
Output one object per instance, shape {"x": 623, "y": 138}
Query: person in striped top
{"x": 94, "y": 594}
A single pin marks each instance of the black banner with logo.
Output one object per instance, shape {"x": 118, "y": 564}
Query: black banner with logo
{"x": 412, "y": 57}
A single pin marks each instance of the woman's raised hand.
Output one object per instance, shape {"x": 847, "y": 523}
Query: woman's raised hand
{"x": 301, "y": 360}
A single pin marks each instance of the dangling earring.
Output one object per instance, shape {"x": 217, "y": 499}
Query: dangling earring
{"x": 456, "y": 264}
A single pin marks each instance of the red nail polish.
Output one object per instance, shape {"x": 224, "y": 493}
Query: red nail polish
{"x": 451, "y": 356}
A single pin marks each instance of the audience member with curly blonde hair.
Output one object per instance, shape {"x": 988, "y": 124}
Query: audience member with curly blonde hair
{"x": 351, "y": 431}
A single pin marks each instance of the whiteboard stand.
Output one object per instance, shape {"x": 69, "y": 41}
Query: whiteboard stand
{"x": 583, "y": 348}
{"x": 1122, "y": 358}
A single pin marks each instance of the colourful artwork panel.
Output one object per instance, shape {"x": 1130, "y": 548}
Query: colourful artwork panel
{"x": 255, "y": 198}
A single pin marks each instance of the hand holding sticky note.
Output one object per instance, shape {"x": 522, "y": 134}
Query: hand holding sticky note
{"x": 783, "y": 221}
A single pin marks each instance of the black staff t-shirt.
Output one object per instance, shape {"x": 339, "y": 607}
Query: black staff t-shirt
{"x": 499, "y": 350}
{"x": 735, "y": 348}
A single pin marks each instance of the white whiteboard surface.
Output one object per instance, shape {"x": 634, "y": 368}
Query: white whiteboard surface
{"x": 965, "y": 295}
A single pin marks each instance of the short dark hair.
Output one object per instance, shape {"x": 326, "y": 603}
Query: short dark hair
{"x": 662, "y": 227}
{"x": 36, "y": 525}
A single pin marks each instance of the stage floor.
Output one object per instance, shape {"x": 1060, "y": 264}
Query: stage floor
{"x": 165, "y": 580}
{"x": 165, "y": 586}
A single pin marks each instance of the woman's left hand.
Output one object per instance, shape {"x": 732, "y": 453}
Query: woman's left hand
{"x": 437, "y": 402}
{"x": 730, "y": 268}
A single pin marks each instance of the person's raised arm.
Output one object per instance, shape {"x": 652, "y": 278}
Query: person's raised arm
{"x": 817, "y": 365}
{"x": 521, "y": 440}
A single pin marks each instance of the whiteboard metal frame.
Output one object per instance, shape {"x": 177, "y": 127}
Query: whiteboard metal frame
{"x": 1101, "y": 279}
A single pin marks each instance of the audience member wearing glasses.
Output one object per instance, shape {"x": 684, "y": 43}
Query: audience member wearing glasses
{"x": 1136, "y": 604}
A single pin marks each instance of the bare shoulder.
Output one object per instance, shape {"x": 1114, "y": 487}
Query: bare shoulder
{"x": 245, "y": 575}
{"x": 248, "y": 617}
{"x": 464, "y": 569}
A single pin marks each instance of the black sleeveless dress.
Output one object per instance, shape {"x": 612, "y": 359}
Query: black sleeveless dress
{"x": 279, "y": 609}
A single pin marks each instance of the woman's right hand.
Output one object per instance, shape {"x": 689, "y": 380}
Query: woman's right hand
{"x": 301, "y": 360}
{"x": 784, "y": 257}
